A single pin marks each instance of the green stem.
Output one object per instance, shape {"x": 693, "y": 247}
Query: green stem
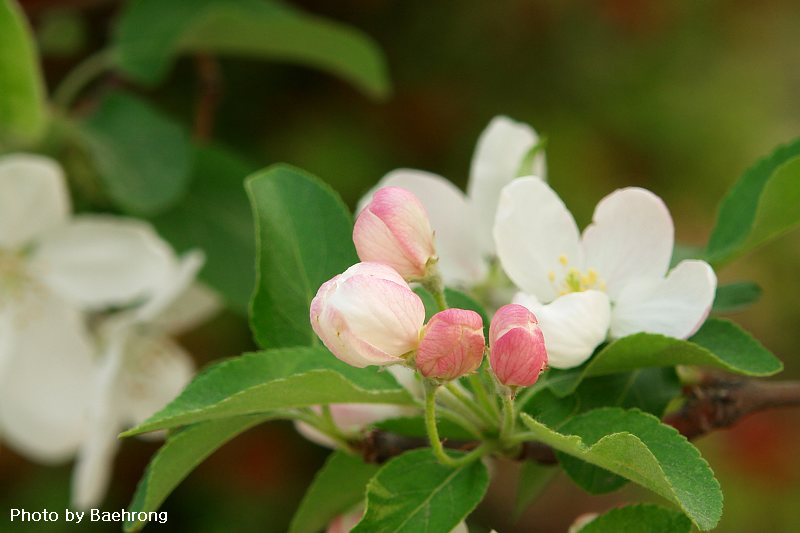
{"x": 521, "y": 437}
{"x": 461, "y": 394}
{"x": 79, "y": 77}
{"x": 432, "y": 282}
{"x": 325, "y": 424}
{"x": 508, "y": 418}
{"x": 483, "y": 395}
{"x": 433, "y": 434}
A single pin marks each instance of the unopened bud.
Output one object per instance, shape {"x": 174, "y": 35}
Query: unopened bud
{"x": 368, "y": 316}
{"x": 517, "y": 352}
{"x": 394, "y": 229}
{"x": 452, "y": 344}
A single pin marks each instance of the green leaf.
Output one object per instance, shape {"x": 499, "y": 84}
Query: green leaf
{"x": 648, "y": 389}
{"x": 339, "y": 485}
{"x": 719, "y": 343}
{"x": 736, "y": 296}
{"x": 641, "y": 518}
{"x": 637, "y": 446}
{"x": 22, "y": 94}
{"x": 533, "y": 479}
{"x": 415, "y": 493}
{"x": 760, "y": 206}
{"x": 142, "y": 157}
{"x": 275, "y": 379}
{"x": 151, "y": 33}
{"x": 180, "y": 454}
{"x": 304, "y": 237}
{"x": 215, "y": 217}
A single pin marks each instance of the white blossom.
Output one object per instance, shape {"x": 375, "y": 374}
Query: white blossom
{"x": 612, "y": 281}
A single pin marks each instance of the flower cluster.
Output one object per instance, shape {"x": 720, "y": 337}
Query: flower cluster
{"x": 87, "y": 306}
{"x": 510, "y": 238}
{"x": 369, "y": 315}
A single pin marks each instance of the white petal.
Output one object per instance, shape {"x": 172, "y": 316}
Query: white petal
{"x": 176, "y": 283}
{"x": 532, "y": 231}
{"x": 33, "y": 198}
{"x": 676, "y": 306}
{"x": 631, "y": 236}
{"x": 194, "y": 306}
{"x": 93, "y": 466}
{"x": 101, "y": 261}
{"x": 46, "y": 388}
{"x": 499, "y": 154}
{"x": 6, "y": 332}
{"x": 156, "y": 371}
{"x": 461, "y": 249}
{"x": 573, "y": 325}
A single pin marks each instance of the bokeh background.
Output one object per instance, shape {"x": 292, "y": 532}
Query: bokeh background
{"x": 676, "y": 96}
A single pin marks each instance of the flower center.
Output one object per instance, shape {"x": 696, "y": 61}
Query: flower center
{"x": 571, "y": 279}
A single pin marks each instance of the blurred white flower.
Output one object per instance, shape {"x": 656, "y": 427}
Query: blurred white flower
{"x": 463, "y": 223}
{"x": 52, "y": 267}
{"x": 612, "y": 281}
{"x": 141, "y": 370}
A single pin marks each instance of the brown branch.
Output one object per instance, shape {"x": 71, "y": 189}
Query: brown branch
{"x": 721, "y": 400}
{"x": 717, "y": 401}
{"x": 210, "y": 88}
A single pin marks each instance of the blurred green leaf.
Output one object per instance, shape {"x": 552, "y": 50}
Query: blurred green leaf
{"x": 180, "y": 454}
{"x": 142, "y": 157}
{"x": 304, "y": 236}
{"x": 736, "y": 296}
{"x": 533, "y": 479}
{"x": 762, "y": 205}
{"x": 414, "y": 492}
{"x": 719, "y": 343}
{"x": 22, "y": 93}
{"x": 152, "y": 32}
{"x": 339, "y": 485}
{"x": 61, "y": 33}
{"x": 641, "y": 518}
{"x": 637, "y": 446}
{"x": 215, "y": 216}
{"x": 264, "y": 382}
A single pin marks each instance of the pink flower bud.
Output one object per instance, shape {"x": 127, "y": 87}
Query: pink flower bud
{"x": 517, "y": 352}
{"x": 368, "y": 316}
{"x": 394, "y": 229}
{"x": 452, "y": 344}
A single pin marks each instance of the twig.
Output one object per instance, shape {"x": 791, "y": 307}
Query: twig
{"x": 718, "y": 401}
{"x": 210, "y": 88}
{"x": 721, "y": 400}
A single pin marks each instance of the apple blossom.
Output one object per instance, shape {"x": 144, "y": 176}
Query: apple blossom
{"x": 53, "y": 267}
{"x": 463, "y": 223}
{"x": 452, "y": 344}
{"x": 610, "y": 282}
{"x": 368, "y": 315}
{"x": 141, "y": 370}
{"x": 517, "y": 349}
{"x": 393, "y": 229}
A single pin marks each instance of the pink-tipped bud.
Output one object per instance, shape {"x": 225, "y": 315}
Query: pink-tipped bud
{"x": 394, "y": 229}
{"x": 517, "y": 353}
{"x": 368, "y": 316}
{"x": 452, "y": 344}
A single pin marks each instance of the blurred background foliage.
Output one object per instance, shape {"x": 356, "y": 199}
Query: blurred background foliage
{"x": 679, "y": 97}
